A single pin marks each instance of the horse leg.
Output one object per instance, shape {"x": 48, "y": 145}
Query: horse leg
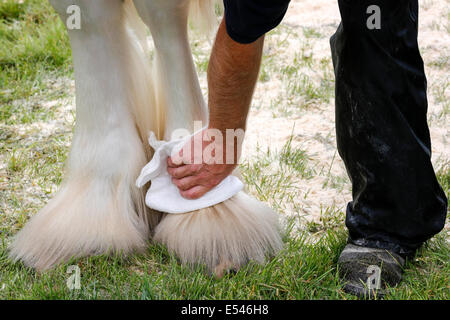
{"x": 176, "y": 84}
{"x": 226, "y": 235}
{"x": 98, "y": 209}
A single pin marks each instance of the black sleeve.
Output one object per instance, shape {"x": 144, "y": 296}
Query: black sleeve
{"x": 247, "y": 20}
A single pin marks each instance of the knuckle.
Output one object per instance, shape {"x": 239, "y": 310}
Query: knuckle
{"x": 203, "y": 176}
{"x": 195, "y": 194}
{"x": 188, "y": 194}
{"x": 180, "y": 173}
{"x": 214, "y": 181}
{"x": 177, "y": 174}
{"x": 182, "y": 185}
{"x": 176, "y": 160}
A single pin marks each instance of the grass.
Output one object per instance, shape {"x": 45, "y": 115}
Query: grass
{"x": 33, "y": 49}
{"x": 36, "y": 90}
{"x": 157, "y": 275}
{"x": 305, "y": 80}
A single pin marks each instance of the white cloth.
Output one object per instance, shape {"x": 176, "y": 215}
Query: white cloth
{"x": 164, "y": 196}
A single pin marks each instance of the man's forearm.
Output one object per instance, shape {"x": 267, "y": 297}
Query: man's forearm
{"x": 232, "y": 75}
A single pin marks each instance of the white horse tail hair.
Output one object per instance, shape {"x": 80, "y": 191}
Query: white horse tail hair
{"x": 202, "y": 15}
{"x": 98, "y": 209}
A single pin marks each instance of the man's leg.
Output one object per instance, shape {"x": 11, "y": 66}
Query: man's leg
{"x": 382, "y": 131}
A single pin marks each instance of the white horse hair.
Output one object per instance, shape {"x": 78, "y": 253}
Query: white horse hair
{"x": 98, "y": 209}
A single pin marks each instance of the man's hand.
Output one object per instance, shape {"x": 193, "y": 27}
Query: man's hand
{"x": 195, "y": 175}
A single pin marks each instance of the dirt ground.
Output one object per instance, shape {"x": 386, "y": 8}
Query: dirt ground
{"x": 313, "y": 128}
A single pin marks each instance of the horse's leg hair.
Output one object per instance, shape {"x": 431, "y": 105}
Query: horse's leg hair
{"x": 98, "y": 209}
{"x": 229, "y": 234}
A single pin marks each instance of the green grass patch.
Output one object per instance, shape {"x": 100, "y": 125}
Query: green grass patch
{"x": 33, "y": 49}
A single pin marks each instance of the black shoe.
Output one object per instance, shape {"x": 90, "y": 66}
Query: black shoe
{"x": 367, "y": 271}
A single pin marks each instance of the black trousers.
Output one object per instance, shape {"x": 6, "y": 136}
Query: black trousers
{"x": 381, "y": 124}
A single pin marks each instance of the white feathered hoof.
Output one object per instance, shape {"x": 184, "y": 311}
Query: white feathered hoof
{"x": 81, "y": 220}
{"x": 222, "y": 237}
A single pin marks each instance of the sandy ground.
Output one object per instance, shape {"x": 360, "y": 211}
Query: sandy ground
{"x": 313, "y": 129}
